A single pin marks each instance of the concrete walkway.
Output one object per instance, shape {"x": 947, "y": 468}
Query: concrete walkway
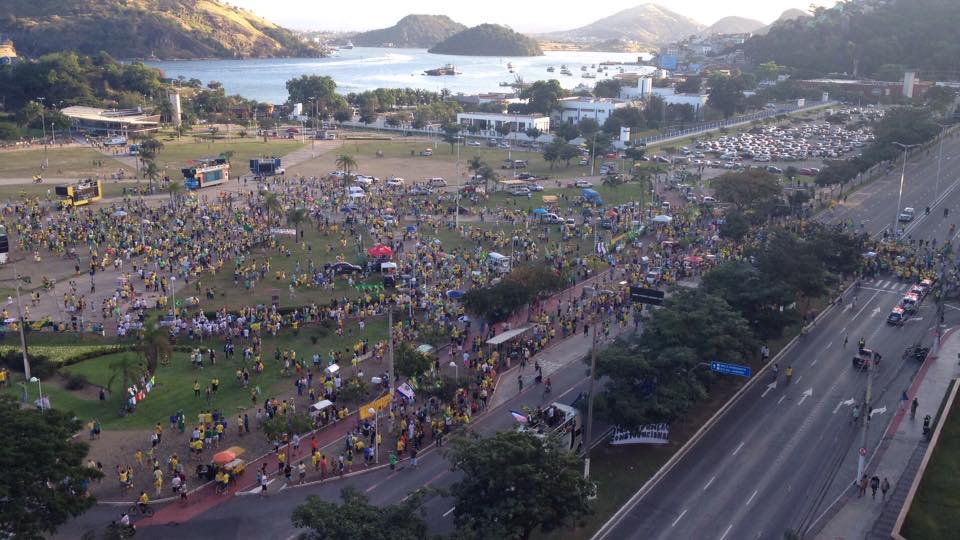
{"x": 855, "y": 517}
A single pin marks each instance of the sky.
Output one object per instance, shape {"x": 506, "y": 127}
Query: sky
{"x": 529, "y": 16}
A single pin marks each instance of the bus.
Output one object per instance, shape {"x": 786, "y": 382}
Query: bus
{"x": 561, "y": 420}
{"x": 79, "y": 194}
{"x": 209, "y": 172}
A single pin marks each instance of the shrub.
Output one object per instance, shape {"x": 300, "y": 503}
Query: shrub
{"x": 76, "y": 381}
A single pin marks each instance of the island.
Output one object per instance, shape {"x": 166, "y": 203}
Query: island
{"x": 488, "y": 40}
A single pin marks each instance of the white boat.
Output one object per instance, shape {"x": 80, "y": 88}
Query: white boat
{"x": 550, "y": 69}
{"x": 349, "y": 45}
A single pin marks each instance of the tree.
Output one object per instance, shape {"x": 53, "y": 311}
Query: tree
{"x": 726, "y": 94}
{"x": 551, "y": 152}
{"x": 45, "y": 480}
{"x": 568, "y": 131}
{"x": 753, "y": 191}
{"x": 543, "y": 96}
{"x": 760, "y": 298}
{"x": 29, "y": 113}
{"x": 568, "y": 152}
{"x": 409, "y": 362}
{"x": 514, "y": 484}
{"x": 9, "y": 132}
{"x": 534, "y": 133}
{"x": 608, "y": 88}
{"x": 342, "y": 115}
{"x": 496, "y": 303}
{"x": 271, "y": 203}
{"x": 807, "y": 275}
{"x": 474, "y": 165}
{"x": 656, "y": 376}
{"x": 174, "y": 188}
{"x": 735, "y": 226}
{"x": 151, "y": 170}
{"x": 356, "y": 519}
{"x": 346, "y": 163}
{"x": 488, "y": 174}
{"x": 155, "y": 347}
{"x": 939, "y": 98}
{"x": 319, "y": 91}
{"x": 149, "y": 148}
{"x": 690, "y": 85}
{"x": 588, "y": 127}
{"x": 125, "y": 368}
{"x": 296, "y": 217}
{"x": 228, "y": 154}
{"x": 451, "y": 135}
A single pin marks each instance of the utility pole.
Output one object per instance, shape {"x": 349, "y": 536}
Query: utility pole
{"x": 903, "y": 173}
{"x": 867, "y": 411}
{"x": 23, "y": 337}
{"x": 390, "y": 346}
{"x": 939, "y": 161}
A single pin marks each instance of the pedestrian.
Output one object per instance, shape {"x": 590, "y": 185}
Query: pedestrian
{"x": 913, "y": 408}
{"x": 885, "y": 487}
{"x": 413, "y": 458}
{"x": 393, "y": 461}
{"x": 874, "y": 484}
{"x": 904, "y": 399}
{"x": 287, "y": 470}
{"x": 302, "y": 469}
{"x": 863, "y": 486}
{"x": 520, "y": 383}
{"x": 263, "y": 483}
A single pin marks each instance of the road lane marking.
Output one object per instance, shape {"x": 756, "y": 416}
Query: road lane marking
{"x": 783, "y": 397}
{"x": 738, "y": 448}
{"x": 770, "y": 387}
{"x": 798, "y": 379}
{"x": 750, "y": 500}
{"x": 714, "y": 477}
{"x": 674, "y": 524}
{"x": 806, "y": 393}
{"x": 447, "y": 513}
{"x": 726, "y": 532}
{"x": 815, "y": 360}
{"x": 828, "y": 346}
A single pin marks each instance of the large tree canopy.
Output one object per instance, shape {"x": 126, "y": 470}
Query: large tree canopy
{"x": 44, "y": 476}
{"x": 357, "y": 519}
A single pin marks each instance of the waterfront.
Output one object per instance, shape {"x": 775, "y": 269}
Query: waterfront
{"x": 366, "y": 68}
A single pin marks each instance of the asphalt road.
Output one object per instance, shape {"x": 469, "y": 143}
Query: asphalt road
{"x": 252, "y": 516}
{"x": 781, "y": 455}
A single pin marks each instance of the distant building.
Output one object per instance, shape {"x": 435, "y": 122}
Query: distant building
{"x": 670, "y": 97}
{"x": 123, "y": 121}
{"x": 8, "y": 54}
{"x": 574, "y": 109}
{"x": 494, "y": 121}
{"x": 641, "y": 90}
{"x": 872, "y": 90}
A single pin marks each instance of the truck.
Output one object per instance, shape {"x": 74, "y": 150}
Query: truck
{"x": 79, "y": 194}
{"x": 266, "y": 166}
{"x": 206, "y": 173}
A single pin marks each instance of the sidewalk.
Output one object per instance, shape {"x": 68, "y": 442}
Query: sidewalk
{"x": 864, "y": 517}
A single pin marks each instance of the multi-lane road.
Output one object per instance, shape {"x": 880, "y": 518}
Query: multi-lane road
{"x": 782, "y": 454}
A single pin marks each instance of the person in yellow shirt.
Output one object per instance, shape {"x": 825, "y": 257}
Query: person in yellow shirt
{"x": 142, "y": 502}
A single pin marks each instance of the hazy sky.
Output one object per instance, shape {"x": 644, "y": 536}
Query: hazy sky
{"x": 524, "y": 16}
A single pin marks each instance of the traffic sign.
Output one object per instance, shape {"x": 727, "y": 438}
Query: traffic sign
{"x": 863, "y": 452}
{"x": 730, "y": 369}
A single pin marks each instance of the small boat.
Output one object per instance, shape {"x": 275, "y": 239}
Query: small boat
{"x": 583, "y": 68}
{"x": 509, "y": 65}
{"x": 447, "y": 69}
{"x": 512, "y": 70}
{"x": 505, "y": 83}
{"x": 588, "y": 75}
{"x": 565, "y": 71}
{"x": 550, "y": 69}
{"x": 349, "y": 45}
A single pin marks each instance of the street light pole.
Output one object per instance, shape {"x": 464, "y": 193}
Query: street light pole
{"x": 903, "y": 173}
{"x": 23, "y": 337}
{"x": 588, "y": 439}
{"x": 940, "y": 159}
{"x": 39, "y": 391}
{"x": 867, "y": 410}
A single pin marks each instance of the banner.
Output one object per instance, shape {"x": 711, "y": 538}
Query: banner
{"x": 406, "y": 390}
{"x": 286, "y": 232}
{"x": 378, "y": 404}
{"x": 648, "y": 434}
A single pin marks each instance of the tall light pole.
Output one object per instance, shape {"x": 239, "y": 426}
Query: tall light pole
{"x": 943, "y": 127}
{"x": 43, "y": 126}
{"x": 39, "y": 391}
{"x": 23, "y": 337}
{"x": 588, "y": 439}
{"x": 903, "y": 173}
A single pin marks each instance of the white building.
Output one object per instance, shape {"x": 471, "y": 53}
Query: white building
{"x": 670, "y": 97}
{"x": 492, "y": 122}
{"x": 640, "y": 91}
{"x": 575, "y": 109}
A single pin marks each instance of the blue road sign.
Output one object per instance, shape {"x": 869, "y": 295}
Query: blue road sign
{"x": 730, "y": 369}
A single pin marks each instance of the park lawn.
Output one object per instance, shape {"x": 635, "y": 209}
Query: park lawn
{"x": 935, "y": 512}
{"x": 15, "y": 192}
{"x": 175, "y": 380}
{"x": 178, "y": 154}
{"x": 69, "y": 162}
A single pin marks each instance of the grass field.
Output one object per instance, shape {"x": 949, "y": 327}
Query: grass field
{"x": 70, "y": 162}
{"x": 935, "y": 513}
{"x": 177, "y": 154}
{"x": 175, "y": 381}
{"x": 11, "y": 192}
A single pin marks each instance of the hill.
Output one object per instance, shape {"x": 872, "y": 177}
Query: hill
{"x": 413, "y": 31}
{"x": 143, "y": 28}
{"x": 648, "y": 24}
{"x": 791, "y": 14}
{"x": 488, "y": 40}
{"x": 733, "y": 25}
{"x": 873, "y": 38}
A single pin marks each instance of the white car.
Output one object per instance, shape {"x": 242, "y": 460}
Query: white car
{"x": 583, "y": 184}
{"x": 520, "y": 191}
{"x": 363, "y": 179}
{"x": 473, "y": 143}
{"x": 535, "y": 187}
{"x": 503, "y": 145}
{"x": 395, "y": 181}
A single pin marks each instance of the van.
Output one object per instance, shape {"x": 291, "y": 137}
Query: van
{"x": 436, "y": 181}
{"x": 498, "y": 262}
{"x": 550, "y": 218}
{"x": 665, "y": 205}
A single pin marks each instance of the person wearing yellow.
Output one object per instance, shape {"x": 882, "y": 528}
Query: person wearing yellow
{"x": 142, "y": 501}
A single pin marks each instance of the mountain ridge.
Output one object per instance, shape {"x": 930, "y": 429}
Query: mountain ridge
{"x": 488, "y": 40}
{"x": 175, "y": 29}
{"x": 412, "y": 31}
{"x": 733, "y": 25}
{"x": 649, "y": 24}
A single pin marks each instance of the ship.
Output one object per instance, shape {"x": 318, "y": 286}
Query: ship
{"x": 550, "y": 69}
{"x": 588, "y": 75}
{"x": 509, "y": 65}
{"x": 565, "y": 71}
{"x": 349, "y": 45}
{"x": 505, "y": 83}
{"x": 447, "y": 69}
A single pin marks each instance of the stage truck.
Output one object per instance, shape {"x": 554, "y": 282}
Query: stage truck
{"x": 79, "y": 194}
{"x": 206, "y": 173}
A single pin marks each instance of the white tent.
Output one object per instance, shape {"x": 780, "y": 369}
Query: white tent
{"x": 662, "y": 219}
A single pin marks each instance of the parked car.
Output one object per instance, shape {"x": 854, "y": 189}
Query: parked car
{"x": 341, "y": 268}
{"x": 582, "y": 184}
{"x": 473, "y": 143}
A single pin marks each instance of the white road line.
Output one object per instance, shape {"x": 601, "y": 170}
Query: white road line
{"x": 710, "y": 482}
{"x": 674, "y": 524}
{"x": 828, "y": 345}
{"x": 883, "y": 284}
{"x": 815, "y": 360}
{"x": 739, "y": 446}
{"x": 783, "y": 397}
{"x": 750, "y": 500}
{"x": 798, "y": 379}
{"x": 447, "y": 513}
{"x": 726, "y": 532}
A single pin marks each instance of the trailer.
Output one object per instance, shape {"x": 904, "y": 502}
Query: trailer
{"x": 269, "y": 166}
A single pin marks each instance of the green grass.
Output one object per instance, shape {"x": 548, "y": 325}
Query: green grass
{"x": 175, "y": 381}
{"x": 63, "y": 163}
{"x": 13, "y": 192}
{"x": 935, "y": 512}
{"x": 178, "y": 154}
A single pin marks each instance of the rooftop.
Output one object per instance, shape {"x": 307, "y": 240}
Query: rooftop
{"x": 134, "y": 117}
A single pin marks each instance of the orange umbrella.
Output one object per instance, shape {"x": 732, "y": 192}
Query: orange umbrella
{"x": 224, "y": 457}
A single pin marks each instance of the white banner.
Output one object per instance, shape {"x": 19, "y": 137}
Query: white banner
{"x": 286, "y": 232}
{"x": 648, "y": 434}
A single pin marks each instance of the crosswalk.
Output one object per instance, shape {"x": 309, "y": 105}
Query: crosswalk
{"x": 889, "y": 285}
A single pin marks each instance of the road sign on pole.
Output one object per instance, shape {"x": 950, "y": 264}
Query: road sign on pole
{"x": 863, "y": 451}
{"x": 730, "y": 369}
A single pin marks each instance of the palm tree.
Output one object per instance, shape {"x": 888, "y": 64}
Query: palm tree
{"x": 296, "y": 216}
{"x": 174, "y": 188}
{"x": 228, "y": 154}
{"x": 611, "y": 180}
{"x": 346, "y": 163}
{"x": 474, "y": 165}
{"x": 124, "y": 367}
{"x": 488, "y": 175}
{"x": 271, "y": 203}
{"x": 151, "y": 171}
{"x": 155, "y": 347}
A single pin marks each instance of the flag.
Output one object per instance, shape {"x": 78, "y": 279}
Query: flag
{"x": 519, "y": 417}
{"x": 601, "y": 249}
